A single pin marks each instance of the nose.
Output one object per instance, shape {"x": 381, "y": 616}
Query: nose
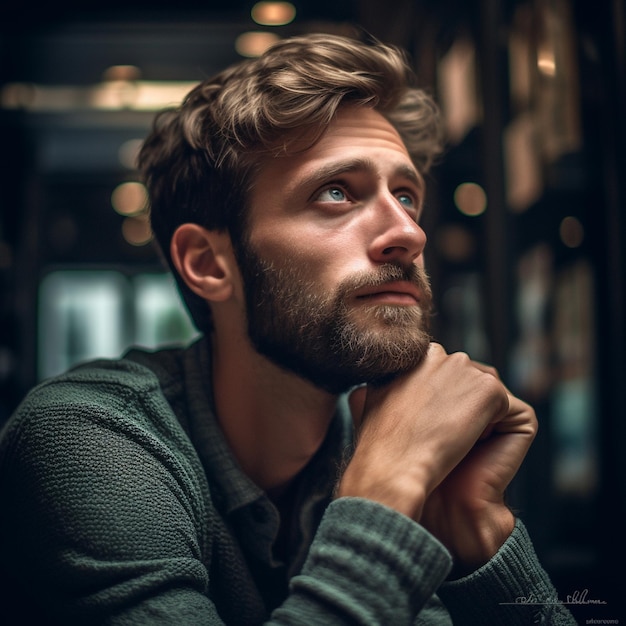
{"x": 398, "y": 237}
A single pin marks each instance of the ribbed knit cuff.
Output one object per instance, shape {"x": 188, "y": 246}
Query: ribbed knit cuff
{"x": 372, "y": 564}
{"x": 512, "y": 588}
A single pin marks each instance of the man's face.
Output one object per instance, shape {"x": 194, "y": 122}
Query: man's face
{"x": 333, "y": 266}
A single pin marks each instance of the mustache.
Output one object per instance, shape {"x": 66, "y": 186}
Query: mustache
{"x": 388, "y": 273}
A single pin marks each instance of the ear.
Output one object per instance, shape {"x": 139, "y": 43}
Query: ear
{"x": 204, "y": 260}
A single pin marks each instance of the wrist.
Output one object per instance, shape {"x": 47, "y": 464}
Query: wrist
{"x": 481, "y": 539}
{"x": 394, "y": 489}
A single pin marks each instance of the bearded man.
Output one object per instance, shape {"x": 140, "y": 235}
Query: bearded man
{"x": 229, "y": 482}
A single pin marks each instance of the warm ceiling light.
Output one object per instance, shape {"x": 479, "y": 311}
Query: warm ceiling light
{"x": 273, "y": 13}
{"x": 470, "y": 199}
{"x": 129, "y": 198}
{"x": 254, "y": 44}
{"x": 121, "y": 72}
{"x": 136, "y": 230}
{"x": 109, "y": 95}
{"x": 546, "y": 63}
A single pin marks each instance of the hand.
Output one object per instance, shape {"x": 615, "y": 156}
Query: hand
{"x": 466, "y": 512}
{"x": 440, "y": 444}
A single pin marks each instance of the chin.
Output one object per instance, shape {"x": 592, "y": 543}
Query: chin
{"x": 385, "y": 316}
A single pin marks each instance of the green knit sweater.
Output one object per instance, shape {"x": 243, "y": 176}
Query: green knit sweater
{"x": 120, "y": 503}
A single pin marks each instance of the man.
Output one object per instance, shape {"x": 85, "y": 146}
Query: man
{"x": 222, "y": 483}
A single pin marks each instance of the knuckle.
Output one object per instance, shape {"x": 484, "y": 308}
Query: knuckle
{"x": 491, "y": 382}
{"x": 490, "y": 369}
{"x": 495, "y": 389}
{"x": 462, "y": 358}
{"x": 436, "y": 348}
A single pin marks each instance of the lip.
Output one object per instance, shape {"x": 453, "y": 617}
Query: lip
{"x": 400, "y": 291}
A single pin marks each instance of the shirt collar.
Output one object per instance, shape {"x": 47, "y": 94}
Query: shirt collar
{"x": 234, "y": 493}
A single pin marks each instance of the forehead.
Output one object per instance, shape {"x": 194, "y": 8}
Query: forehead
{"x": 353, "y": 123}
{"x": 355, "y": 133}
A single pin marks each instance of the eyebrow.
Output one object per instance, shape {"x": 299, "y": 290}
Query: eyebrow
{"x": 333, "y": 170}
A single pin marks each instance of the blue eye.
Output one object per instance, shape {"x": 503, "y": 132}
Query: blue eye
{"x": 406, "y": 200}
{"x": 332, "y": 194}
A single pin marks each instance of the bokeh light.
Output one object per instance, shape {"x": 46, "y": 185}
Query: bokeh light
{"x": 571, "y": 232}
{"x": 136, "y": 230}
{"x": 254, "y": 44}
{"x": 273, "y": 13}
{"x": 470, "y": 199}
{"x": 129, "y": 198}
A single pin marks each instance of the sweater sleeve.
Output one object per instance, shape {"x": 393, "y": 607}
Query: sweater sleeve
{"x": 367, "y": 565}
{"x": 100, "y": 515}
{"x": 512, "y": 588}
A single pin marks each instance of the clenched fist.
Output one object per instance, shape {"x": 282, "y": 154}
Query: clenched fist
{"x": 440, "y": 445}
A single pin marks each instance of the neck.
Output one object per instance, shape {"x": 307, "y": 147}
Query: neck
{"x": 273, "y": 420}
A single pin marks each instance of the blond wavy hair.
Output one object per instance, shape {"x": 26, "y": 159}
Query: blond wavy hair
{"x": 200, "y": 158}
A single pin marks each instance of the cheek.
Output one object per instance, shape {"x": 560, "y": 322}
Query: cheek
{"x": 323, "y": 254}
{"x": 286, "y": 245}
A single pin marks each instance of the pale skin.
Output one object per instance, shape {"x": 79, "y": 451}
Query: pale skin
{"x": 439, "y": 444}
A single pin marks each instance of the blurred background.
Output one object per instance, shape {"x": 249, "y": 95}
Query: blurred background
{"x": 525, "y": 213}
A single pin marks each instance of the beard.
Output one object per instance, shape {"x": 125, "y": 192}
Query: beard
{"x": 333, "y": 340}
